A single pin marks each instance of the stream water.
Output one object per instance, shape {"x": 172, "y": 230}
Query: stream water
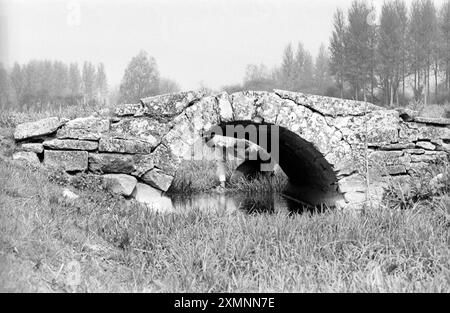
{"x": 269, "y": 202}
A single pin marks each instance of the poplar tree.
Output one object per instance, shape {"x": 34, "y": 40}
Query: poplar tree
{"x": 337, "y": 50}
{"x": 322, "y": 71}
{"x": 74, "y": 80}
{"x": 88, "y": 80}
{"x": 287, "y": 70}
{"x": 444, "y": 31}
{"x": 359, "y": 42}
{"x": 391, "y": 40}
{"x": 101, "y": 83}
{"x": 18, "y": 83}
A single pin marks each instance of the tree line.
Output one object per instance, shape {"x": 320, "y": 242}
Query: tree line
{"x": 44, "y": 84}
{"x": 298, "y": 71}
{"x": 41, "y": 84}
{"x": 391, "y": 59}
{"x": 403, "y": 55}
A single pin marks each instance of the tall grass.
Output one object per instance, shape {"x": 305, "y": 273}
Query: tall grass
{"x": 431, "y": 110}
{"x": 200, "y": 176}
{"x": 264, "y": 183}
{"x": 419, "y": 188}
{"x": 195, "y": 176}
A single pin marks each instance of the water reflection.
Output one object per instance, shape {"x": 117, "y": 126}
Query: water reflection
{"x": 243, "y": 202}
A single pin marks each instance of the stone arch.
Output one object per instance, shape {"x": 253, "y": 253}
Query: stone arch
{"x": 305, "y": 155}
{"x": 306, "y": 167}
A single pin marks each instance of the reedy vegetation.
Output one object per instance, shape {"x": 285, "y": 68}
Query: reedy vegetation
{"x": 200, "y": 176}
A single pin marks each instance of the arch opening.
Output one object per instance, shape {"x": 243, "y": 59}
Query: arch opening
{"x": 312, "y": 179}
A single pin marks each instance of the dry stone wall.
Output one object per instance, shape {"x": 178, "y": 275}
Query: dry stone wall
{"x": 141, "y": 145}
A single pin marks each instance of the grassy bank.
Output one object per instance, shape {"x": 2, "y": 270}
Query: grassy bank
{"x": 122, "y": 247}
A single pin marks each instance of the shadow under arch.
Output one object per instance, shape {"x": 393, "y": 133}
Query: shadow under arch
{"x": 311, "y": 177}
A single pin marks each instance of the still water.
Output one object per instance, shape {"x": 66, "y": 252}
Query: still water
{"x": 230, "y": 202}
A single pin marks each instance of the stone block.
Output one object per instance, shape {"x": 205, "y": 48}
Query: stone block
{"x": 84, "y": 128}
{"x": 39, "y": 128}
{"x": 158, "y": 179}
{"x": 70, "y": 144}
{"x": 32, "y": 147}
{"x": 67, "y": 160}
{"x": 132, "y": 146}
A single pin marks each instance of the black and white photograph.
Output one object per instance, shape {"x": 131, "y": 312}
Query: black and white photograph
{"x": 224, "y": 152}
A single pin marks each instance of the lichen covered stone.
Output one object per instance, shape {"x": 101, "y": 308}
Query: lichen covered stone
{"x": 67, "y": 160}
{"x": 39, "y": 128}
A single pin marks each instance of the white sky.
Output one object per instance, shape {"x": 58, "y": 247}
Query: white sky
{"x": 193, "y": 41}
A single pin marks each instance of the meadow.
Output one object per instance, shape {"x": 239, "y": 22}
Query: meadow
{"x": 402, "y": 245}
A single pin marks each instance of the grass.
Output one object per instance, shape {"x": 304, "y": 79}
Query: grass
{"x": 431, "y": 110}
{"x": 194, "y": 177}
{"x": 200, "y": 176}
{"x": 10, "y": 118}
{"x": 123, "y": 247}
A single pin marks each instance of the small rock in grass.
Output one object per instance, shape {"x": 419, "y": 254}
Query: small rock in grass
{"x": 437, "y": 183}
{"x": 120, "y": 183}
{"x": 158, "y": 179}
{"x": 29, "y": 157}
{"x": 153, "y": 198}
{"x": 67, "y": 193}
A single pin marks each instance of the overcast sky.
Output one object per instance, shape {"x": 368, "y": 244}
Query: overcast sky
{"x": 193, "y": 41}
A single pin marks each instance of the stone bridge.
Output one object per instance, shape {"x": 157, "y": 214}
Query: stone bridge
{"x": 339, "y": 151}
